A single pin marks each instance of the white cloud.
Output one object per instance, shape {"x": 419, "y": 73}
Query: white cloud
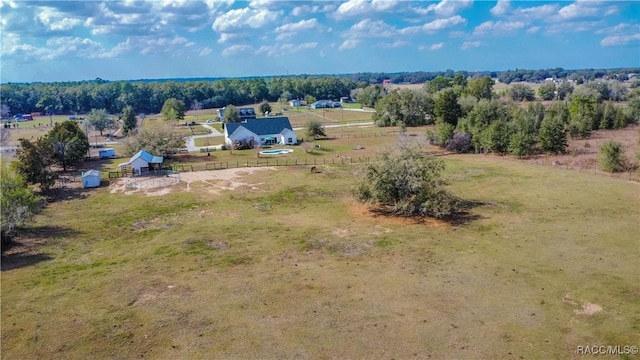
{"x": 447, "y": 7}
{"x": 575, "y": 26}
{"x": 620, "y": 40}
{"x": 57, "y": 47}
{"x": 298, "y": 26}
{"x": 535, "y": 12}
{"x": 309, "y": 9}
{"x": 349, "y": 44}
{"x": 498, "y": 27}
{"x": 239, "y": 19}
{"x": 364, "y": 7}
{"x": 579, "y": 9}
{"x": 533, "y": 29}
{"x": 395, "y": 44}
{"x": 611, "y": 10}
{"x": 236, "y": 49}
{"x": 11, "y": 4}
{"x": 369, "y": 28}
{"x": 435, "y": 25}
{"x": 227, "y": 37}
{"x": 151, "y": 45}
{"x": 55, "y": 20}
{"x": 501, "y": 7}
{"x": 205, "y": 51}
{"x": 471, "y": 44}
{"x": 437, "y": 46}
{"x": 620, "y": 28}
{"x": 283, "y": 49}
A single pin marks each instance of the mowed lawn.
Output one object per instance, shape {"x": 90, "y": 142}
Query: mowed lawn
{"x": 294, "y": 268}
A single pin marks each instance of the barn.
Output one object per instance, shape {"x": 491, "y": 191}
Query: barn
{"x": 142, "y": 163}
{"x": 91, "y": 179}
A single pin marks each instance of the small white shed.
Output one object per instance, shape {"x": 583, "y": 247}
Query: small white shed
{"x": 91, "y": 179}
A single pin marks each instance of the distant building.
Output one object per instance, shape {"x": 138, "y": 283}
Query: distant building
{"x": 106, "y": 153}
{"x": 295, "y": 103}
{"x": 243, "y": 113}
{"x": 267, "y": 131}
{"x": 326, "y": 104}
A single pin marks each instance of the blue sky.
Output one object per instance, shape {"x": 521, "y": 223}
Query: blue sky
{"x": 119, "y": 40}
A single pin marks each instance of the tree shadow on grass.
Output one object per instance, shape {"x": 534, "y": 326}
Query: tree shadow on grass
{"x": 24, "y": 250}
{"x": 461, "y": 217}
{"x": 70, "y": 191}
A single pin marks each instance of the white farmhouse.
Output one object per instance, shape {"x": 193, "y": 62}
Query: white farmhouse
{"x": 267, "y": 131}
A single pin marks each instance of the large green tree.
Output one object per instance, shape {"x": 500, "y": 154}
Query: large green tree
{"x": 481, "y": 87}
{"x": 265, "y": 107}
{"x": 173, "y": 109}
{"x": 129, "y": 122}
{"x": 100, "y": 120}
{"x": 611, "y": 156}
{"x": 446, "y": 107}
{"x": 521, "y": 92}
{"x": 18, "y": 202}
{"x": 230, "y": 114}
{"x": 553, "y": 133}
{"x": 33, "y": 163}
{"x": 405, "y": 106}
{"x": 160, "y": 140}
{"x": 547, "y": 91}
{"x": 69, "y": 143}
{"x": 405, "y": 182}
{"x": 314, "y": 129}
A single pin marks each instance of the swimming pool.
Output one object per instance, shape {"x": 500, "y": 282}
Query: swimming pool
{"x": 276, "y": 152}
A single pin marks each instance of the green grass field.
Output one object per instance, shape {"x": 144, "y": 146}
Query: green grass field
{"x": 291, "y": 267}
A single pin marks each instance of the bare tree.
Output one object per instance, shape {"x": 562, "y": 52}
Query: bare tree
{"x": 5, "y": 136}
{"x": 257, "y": 147}
{"x": 196, "y": 106}
{"x": 4, "y": 111}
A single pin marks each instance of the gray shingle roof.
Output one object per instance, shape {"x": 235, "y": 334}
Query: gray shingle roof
{"x": 262, "y": 126}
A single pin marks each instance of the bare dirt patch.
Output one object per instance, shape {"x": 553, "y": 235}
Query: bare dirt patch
{"x": 588, "y": 309}
{"x": 363, "y": 211}
{"x": 214, "y": 182}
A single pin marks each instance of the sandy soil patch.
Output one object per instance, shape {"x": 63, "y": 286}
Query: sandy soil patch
{"x": 587, "y": 307}
{"x": 214, "y": 180}
{"x": 362, "y": 211}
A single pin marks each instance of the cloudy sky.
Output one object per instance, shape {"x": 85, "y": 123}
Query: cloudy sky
{"x": 116, "y": 40}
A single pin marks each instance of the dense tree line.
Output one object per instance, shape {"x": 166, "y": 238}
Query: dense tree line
{"x": 149, "y": 97}
{"x": 470, "y": 116}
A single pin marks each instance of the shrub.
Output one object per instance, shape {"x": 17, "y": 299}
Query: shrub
{"x": 460, "y": 142}
{"x": 406, "y": 183}
{"x": 611, "y": 157}
{"x": 445, "y": 133}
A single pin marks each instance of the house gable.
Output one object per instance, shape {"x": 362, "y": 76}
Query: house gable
{"x": 260, "y": 129}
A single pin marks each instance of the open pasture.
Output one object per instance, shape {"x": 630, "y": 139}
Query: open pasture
{"x": 284, "y": 264}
